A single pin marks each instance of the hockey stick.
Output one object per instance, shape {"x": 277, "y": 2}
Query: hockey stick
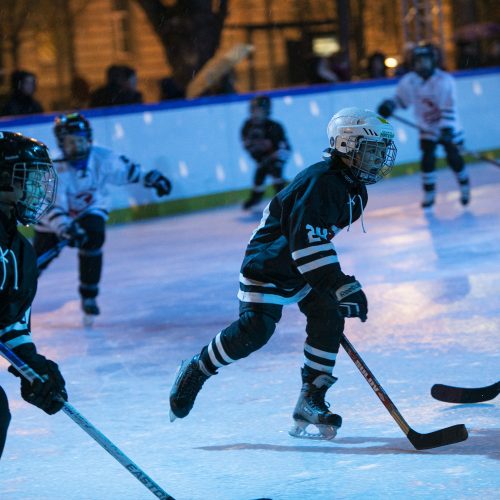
{"x": 51, "y": 253}
{"x": 442, "y": 437}
{"x": 450, "y": 394}
{"x": 80, "y": 420}
{"x": 479, "y": 156}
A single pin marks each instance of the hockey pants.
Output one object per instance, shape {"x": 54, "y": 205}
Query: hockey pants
{"x": 257, "y": 323}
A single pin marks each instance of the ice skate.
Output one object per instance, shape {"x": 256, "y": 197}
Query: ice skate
{"x": 254, "y": 199}
{"x": 90, "y": 311}
{"x": 188, "y": 383}
{"x": 312, "y": 410}
{"x": 465, "y": 194}
{"x": 428, "y": 200}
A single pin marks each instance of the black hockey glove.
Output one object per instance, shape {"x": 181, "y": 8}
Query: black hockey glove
{"x": 155, "y": 179}
{"x": 446, "y": 137}
{"x": 45, "y": 395}
{"x": 386, "y": 108}
{"x": 352, "y": 299}
{"x": 75, "y": 234}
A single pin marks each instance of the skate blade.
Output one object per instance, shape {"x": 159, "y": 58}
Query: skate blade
{"x": 325, "y": 432}
{"x": 172, "y": 415}
{"x": 88, "y": 320}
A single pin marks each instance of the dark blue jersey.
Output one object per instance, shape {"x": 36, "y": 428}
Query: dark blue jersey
{"x": 291, "y": 251}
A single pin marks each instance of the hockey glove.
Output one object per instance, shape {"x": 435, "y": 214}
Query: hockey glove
{"x": 47, "y": 395}
{"x": 352, "y": 299}
{"x": 75, "y": 234}
{"x": 447, "y": 135}
{"x": 386, "y": 108}
{"x": 155, "y": 179}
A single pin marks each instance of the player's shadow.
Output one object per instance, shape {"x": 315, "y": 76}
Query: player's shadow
{"x": 484, "y": 442}
{"x": 447, "y": 236}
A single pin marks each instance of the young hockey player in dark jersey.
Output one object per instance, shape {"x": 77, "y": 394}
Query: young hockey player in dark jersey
{"x": 291, "y": 258}
{"x": 432, "y": 93}
{"x": 27, "y": 189}
{"x": 81, "y": 208}
{"x": 265, "y": 141}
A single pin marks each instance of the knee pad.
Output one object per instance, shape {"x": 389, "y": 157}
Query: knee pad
{"x": 256, "y": 329}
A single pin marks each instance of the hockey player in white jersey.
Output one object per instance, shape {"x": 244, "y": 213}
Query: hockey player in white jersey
{"x": 81, "y": 208}
{"x": 432, "y": 93}
{"x": 291, "y": 259}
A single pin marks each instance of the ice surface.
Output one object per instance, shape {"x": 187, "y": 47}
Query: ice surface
{"x": 169, "y": 286}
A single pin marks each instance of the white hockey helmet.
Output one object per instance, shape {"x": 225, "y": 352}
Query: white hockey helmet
{"x": 365, "y": 142}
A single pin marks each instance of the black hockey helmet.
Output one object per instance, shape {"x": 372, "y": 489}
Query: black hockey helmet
{"x": 25, "y": 164}
{"x": 424, "y": 59}
{"x": 261, "y": 102}
{"x": 72, "y": 123}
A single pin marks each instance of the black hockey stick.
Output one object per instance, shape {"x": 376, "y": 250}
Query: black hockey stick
{"x": 442, "y": 437}
{"x": 479, "y": 156}
{"x": 84, "y": 424}
{"x": 51, "y": 253}
{"x": 450, "y": 394}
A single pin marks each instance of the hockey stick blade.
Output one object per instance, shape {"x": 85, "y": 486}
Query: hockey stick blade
{"x": 442, "y": 437}
{"x": 450, "y": 394}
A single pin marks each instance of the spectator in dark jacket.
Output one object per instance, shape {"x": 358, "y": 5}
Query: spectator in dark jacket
{"x": 21, "y": 100}
{"x": 119, "y": 89}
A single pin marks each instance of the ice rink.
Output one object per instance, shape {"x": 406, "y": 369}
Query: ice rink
{"x": 169, "y": 285}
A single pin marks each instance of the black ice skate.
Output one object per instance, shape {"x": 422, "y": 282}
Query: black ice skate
{"x": 188, "y": 383}
{"x": 311, "y": 409}
{"x": 465, "y": 193}
{"x": 254, "y": 199}
{"x": 90, "y": 310}
{"x": 428, "y": 200}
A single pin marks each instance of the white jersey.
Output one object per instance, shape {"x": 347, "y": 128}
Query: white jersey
{"x": 82, "y": 192}
{"x": 434, "y": 102}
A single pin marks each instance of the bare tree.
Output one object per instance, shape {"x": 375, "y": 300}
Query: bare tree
{"x": 190, "y": 32}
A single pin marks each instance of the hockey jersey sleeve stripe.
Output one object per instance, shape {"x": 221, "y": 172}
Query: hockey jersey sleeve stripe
{"x": 315, "y": 264}
{"x": 304, "y": 252}
{"x": 320, "y": 353}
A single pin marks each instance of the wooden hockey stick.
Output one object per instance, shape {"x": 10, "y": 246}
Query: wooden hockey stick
{"x": 479, "y": 156}
{"x": 81, "y": 421}
{"x": 441, "y": 437}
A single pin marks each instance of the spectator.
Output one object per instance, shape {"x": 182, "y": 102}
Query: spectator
{"x": 80, "y": 92}
{"x": 120, "y": 88}
{"x": 376, "y": 66}
{"x": 21, "y": 100}
{"x": 170, "y": 89}
{"x": 334, "y": 68}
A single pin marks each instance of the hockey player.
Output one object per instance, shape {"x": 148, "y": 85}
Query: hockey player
{"x": 81, "y": 208}
{"x": 291, "y": 258}
{"x": 27, "y": 189}
{"x": 432, "y": 93}
{"x": 265, "y": 141}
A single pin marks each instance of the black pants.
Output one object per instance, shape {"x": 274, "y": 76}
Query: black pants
{"x": 4, "y": 418}
{"x": 274, "y": 169}
{"x": 257, "y": 323}
{"x": 89, "y": 254}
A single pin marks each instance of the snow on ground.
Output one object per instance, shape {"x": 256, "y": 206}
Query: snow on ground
{"x": 169, "y": 285}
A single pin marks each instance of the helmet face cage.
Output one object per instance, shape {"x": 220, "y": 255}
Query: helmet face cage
{"x": 38, "y": 181}
{"x": 371, "y": 159}
{"x": 364, "y": 140}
